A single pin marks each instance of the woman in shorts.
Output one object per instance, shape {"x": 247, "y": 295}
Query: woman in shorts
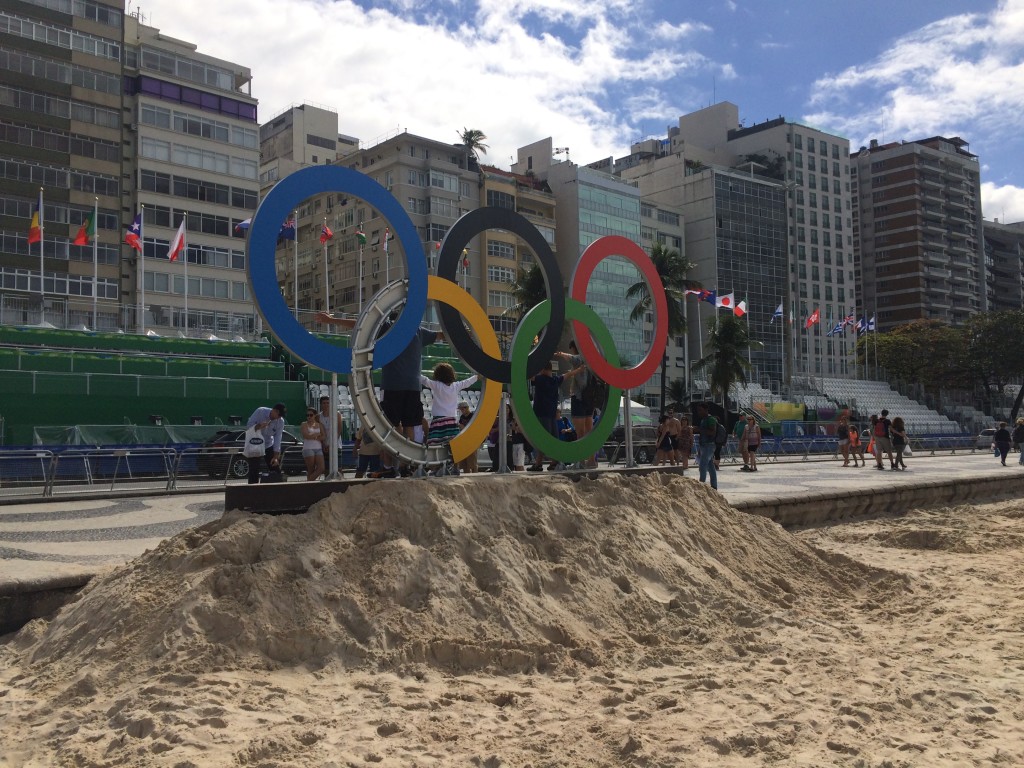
{"x": 664, "y": 444}
{"x": 312, "y": 445}
{"x": 684, "y": 442}
{"x": 843, "y": 433}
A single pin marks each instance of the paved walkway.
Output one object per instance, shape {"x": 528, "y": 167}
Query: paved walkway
{"x": 62, "y": 542}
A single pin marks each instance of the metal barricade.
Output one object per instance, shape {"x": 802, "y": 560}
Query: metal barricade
{"x": 25, "y": 473}
{"x": 107, "y": 469}
{"x": 219, "y": 465}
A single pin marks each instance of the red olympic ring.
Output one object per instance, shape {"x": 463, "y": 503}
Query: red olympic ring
{"x": 596, "y": 252}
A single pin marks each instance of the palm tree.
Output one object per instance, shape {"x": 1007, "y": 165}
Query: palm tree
{"x": 528, "y": 290}
{"x": 726, "y": 362}
{"x": 677, "y": 392}
{"x": 672, "y": 268}
{"x": 473, "y": 140}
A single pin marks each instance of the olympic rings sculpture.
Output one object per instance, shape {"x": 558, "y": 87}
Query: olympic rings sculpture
{"x": 408, "y": 298}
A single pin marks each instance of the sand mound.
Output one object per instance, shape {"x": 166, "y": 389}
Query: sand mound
{"x": 512, "y": 574}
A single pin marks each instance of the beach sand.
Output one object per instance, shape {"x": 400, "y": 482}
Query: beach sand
{"x": 536, "y": 622}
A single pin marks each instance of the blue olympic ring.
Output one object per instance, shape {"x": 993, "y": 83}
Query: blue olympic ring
{"x": 275, "y": 208}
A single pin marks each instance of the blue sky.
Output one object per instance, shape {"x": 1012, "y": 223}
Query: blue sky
{"x": 596, "y": 75}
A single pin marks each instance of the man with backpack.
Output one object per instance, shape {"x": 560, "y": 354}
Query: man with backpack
{"x": 883, "y": 441}
{"x": 707, "y": 429}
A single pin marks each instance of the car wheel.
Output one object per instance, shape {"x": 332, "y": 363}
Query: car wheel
{"x": 642, "y": 455}
{"x": 239, "y": 466}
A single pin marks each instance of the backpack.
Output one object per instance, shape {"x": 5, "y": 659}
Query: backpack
{"x": 721, "y": 436}
{"x": 879, "y": 428}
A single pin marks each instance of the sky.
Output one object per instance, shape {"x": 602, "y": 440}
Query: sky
{"x": 598, "y": 75}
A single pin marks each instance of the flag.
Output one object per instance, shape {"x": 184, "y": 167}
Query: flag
{"x": 360, "y": 236}
{"x": 835, "y": 330}
{"x": 243, "y": 226}
{"x": 695, "y": 292}
{"x": 387, "y": 238}
{"x": 871, "y": 323}
{"x": 437, "y": 246}
{"x": 325, "y": 234}
{"x": 777, "y": 315}
{"x": 287, "y": 231}
{"x": 848, "y": 320}
{"x": 728, "y": 301}
{"x": 814, "y": 318}
{"x": 178, "y": 243}
{"x": 87, "y": 231}
{"x": 465, "y": 261}
{"x": 710, "y": 298}
{"x": 859, "y": 327}
{"x": 35, "y": 227}
{"x": 132, "y": 236}
{"x": 740, "y": 309}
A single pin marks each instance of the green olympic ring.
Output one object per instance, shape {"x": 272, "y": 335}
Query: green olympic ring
{"x": 533, "y": 430}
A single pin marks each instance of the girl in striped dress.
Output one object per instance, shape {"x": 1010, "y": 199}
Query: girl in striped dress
{"x": 444, "y": 422}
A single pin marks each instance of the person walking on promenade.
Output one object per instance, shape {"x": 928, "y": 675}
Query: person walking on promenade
{"x": 313, "y": 445}
{"x": 1001, "y": 440}
{"x": 738, "y": 429}
{"x": 270, "y": 423}
{"x": 707, "y": 428}
{"x": 750, "y": 439}
{"x": 856, "y": 446}
{"x": 1018, "y": 438}
{"x": 843, "y": 434}
{"x": 900, "y": 441}
{"x": 883, "y": 441}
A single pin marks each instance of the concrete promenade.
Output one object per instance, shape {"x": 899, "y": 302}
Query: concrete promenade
{"x": 49, "y": 549}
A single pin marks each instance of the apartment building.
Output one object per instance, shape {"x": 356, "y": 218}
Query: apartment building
{"x": 60, "y": 141}
{"x": 300, "y": 136}
{"x": 435, "y": 181}
{"x": 1004, "y": 262}
{"x": 191, "y": 141}
{"x": 918, "y": 231}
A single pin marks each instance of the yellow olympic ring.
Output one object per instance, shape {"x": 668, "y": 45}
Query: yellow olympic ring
{"x": 472, "y": 437}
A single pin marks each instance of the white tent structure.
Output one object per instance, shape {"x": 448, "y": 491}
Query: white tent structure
{"x": 639, "y": 413}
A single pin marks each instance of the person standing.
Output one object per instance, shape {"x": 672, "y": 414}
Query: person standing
{"x": 843, "y": 435}
{"x": 313, "y": 445}
{"x": 468, "y": 464}
{"x": 751, "y": 440}
{"x": 324, "y": 416}
{"x": 546, "y": 394}
{"x": 738, "y": 430}
{"x": 663, "y": 446}
{"x": 856, "y": 446}
{"x": 582, "y": 414}
{"x": 1001, "y": 440}
{"x": 1018, "y": 439}
{"x": 707, "y": 428}
{"x": 898, "y": 434}
{"x": 684, "y": 443}
{"x": 883, "y": 441}
{"x": 445, "y": 391}
{"x": 368, "y": 451}
{"x": 270, "y": 423}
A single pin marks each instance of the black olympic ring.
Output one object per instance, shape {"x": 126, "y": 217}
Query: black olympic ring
{"x": 474, "y": 223}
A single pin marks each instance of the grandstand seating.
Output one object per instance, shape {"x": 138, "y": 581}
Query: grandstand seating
{"x": 869, "y": 397}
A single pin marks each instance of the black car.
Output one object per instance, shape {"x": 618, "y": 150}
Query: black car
{"x": 644, "y": 445}
{"x": 221, "y": 455}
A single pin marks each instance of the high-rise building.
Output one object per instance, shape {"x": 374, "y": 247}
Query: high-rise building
{"x": 192, "y": 139}
{"x": 60, "y": 141}
{"x": 811, "y": 167}
{"x": 1004, "y": 261}
{"x": 918, "y": 231}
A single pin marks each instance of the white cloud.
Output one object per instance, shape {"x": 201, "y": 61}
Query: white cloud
{"x": 666, "y": 31}
{"x": 961, "y": 71}
{"x": 499, "y": 70}
{"x": 1005, "y": 203}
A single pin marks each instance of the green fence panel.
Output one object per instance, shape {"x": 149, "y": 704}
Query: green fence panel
{"x": 10, "y": 359}
{"x": 184, "y": 366}
{"x": 85, "y": 363}
{"x": 13, "y": 384}
{"x": 53, "y": 362}
{"x": 137, "y": 365}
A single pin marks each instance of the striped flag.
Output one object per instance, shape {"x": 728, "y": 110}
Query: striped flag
{"x": 35, "y": 227}
{"x": 87, "y": 232}
{"x": 777, "y": 315}
{"x": 132, "y": 235}
{"x": 178, "y": 243}
{"x": 387, "y": 239}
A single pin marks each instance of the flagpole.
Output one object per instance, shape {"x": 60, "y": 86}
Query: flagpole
{"x": 387, "y": 258}
{"x": 360, "y": 286}
{"x": 95, "y": 262}
{"x": 141, "y": 319}
{"x": 295, "y": 264}
{"x": 42, "y": 265}
{"x": 327, "y": 277}
{"x": 184, "y": 253}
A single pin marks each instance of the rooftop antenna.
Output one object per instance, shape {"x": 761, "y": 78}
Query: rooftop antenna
{"x": 562, "y": 151}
